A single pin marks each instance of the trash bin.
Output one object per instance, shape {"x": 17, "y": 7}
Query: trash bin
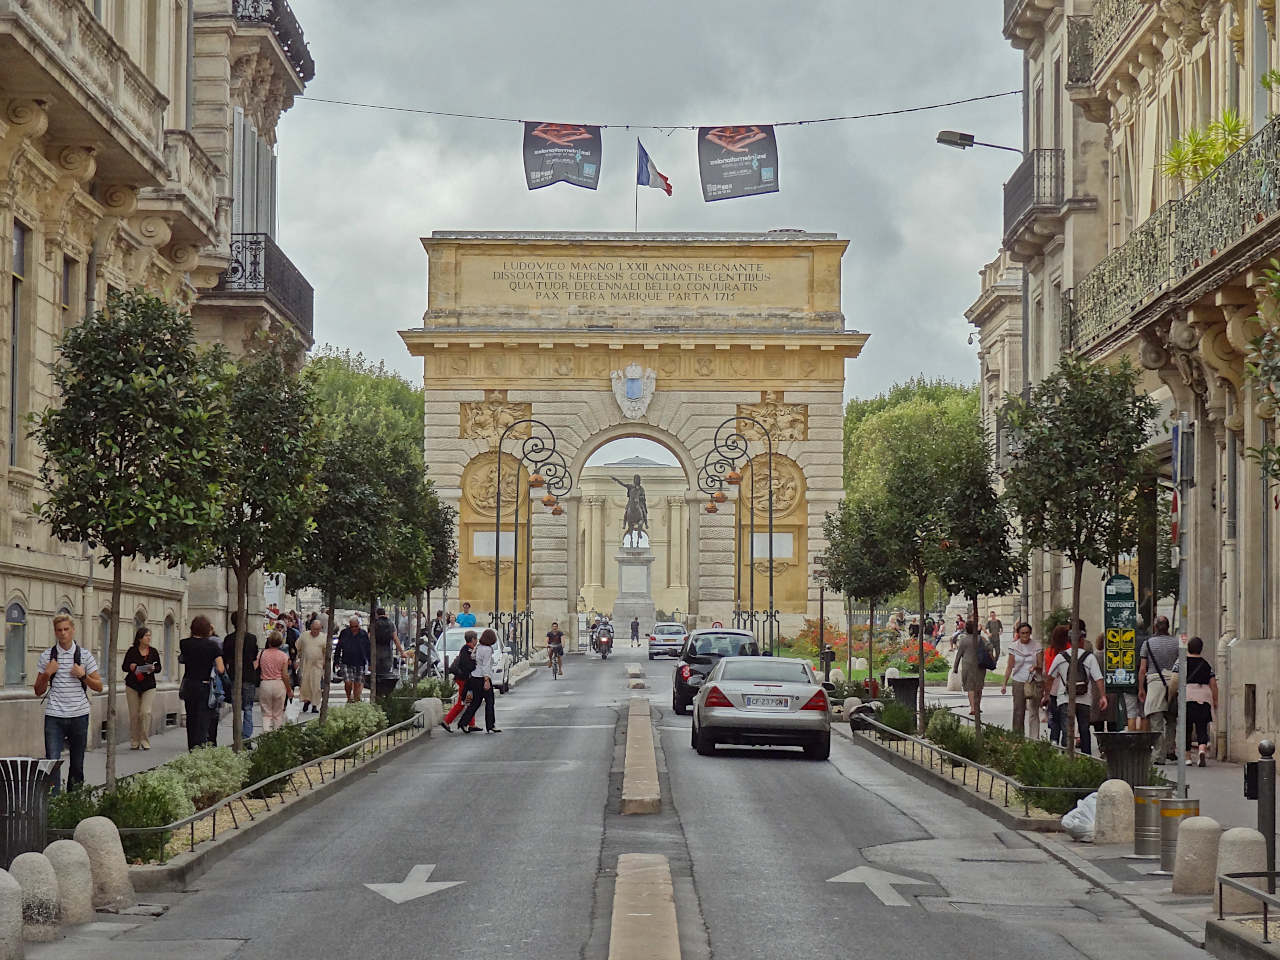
{"x": 24, "y": 805}
{"x": 906, "y": 690}
{"x": 1128, "y": 755}
{"x": 1173, "y": 810}
{"x": 1146, "y": 819}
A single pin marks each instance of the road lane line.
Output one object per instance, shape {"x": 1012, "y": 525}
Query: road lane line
{"x": 644, "y": 910}
{"x": 640, "y": 790}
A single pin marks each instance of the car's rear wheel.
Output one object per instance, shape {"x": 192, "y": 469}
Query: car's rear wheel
{"x": 706, "y": 745}
{"x": 819, "y": 749}
{"x": 652, "y": 657}
{"x": 505, "y": 689}
{"x": 678, "y": 705}
{"x": 693, "y": 737}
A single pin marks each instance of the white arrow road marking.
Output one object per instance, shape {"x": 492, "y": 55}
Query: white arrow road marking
{"x": 415, "y": 885}
{"x": 879, "y": 882}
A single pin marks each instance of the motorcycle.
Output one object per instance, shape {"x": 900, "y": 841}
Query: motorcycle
{"x": 604, "y": 643}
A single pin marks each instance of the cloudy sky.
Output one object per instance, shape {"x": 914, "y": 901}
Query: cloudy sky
{"x": 359, "y": 187}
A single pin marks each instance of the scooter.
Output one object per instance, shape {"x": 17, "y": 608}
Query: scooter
{"x": 605, "y": 642}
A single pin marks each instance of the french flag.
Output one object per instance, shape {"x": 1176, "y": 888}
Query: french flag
{"x": 647, "y": 174}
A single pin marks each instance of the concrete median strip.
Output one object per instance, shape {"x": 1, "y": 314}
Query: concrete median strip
{"x": 640, "y": 790}
{"x": 644, "y": 908}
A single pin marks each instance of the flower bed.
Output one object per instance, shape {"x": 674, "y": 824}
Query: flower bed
{"x": 198, "y": 780}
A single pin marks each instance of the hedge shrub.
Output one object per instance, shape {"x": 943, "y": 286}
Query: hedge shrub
{"x": 150, "y": 799}
{"x": 211, "y": 773}
{"x": 274, "y": 753}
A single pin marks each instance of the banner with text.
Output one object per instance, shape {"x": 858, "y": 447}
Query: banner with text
{"x": 1120, "y": 622}
{"x": 737, "y": 161}
{"x": 562, "y": 153}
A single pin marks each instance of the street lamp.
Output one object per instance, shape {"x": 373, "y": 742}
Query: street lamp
{"x": 963, "y": 141}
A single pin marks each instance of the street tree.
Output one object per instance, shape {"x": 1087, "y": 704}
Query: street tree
{"x": 132, "y": 449}
{"x": 863, "y": 563}
{"x": 1078, "y": 463}
{"x": 268, "y": 490}
{"x": 906, "y": 468}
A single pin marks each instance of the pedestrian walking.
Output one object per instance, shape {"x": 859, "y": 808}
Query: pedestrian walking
{"x": 1202, "y": 700}
{"x": 384, "y": 637}
{"x": 481, "y": 686}
{"x": 141, "y": 664}
{"x": 352, "y": 655}
{"x": 466, "y": 618}
{"x": 311, "y": 655}
{"x": 438, "y": 626}
{"x": 460, "y": 670}
{"x": 249, "y": 682}
{"x": 994, "y": 629}
{"x": 66, "y": 672}
{"x": 973, "y": 660}
{"x": 1088, "y": 684}
{"x": 1159, "y": 657}
{"x": 1025, "y": 668}
{"x": 273, "y": 681}
{"x": 1059, "y": 640}
{"x": 202, "y": 682}
{"x": 635, "y": 631}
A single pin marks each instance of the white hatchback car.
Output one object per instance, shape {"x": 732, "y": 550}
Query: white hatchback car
{"x": 453, "y": 639}
{"x": 667, "y": 639}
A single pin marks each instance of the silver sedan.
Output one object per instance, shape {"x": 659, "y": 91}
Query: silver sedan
{"x": 763, "y": 701}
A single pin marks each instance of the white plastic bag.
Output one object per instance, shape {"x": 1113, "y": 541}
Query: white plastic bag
{"x": 1079, "y": 822}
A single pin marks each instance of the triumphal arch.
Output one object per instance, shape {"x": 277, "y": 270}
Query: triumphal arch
{"x": 602, "y": 336}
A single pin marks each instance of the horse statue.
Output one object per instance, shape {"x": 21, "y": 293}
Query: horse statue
{"x": 635, "y": 519}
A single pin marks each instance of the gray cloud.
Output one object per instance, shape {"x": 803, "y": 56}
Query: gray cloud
{"x": 359, "y": 187}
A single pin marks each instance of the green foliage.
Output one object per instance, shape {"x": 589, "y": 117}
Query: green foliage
{"x": 945, "y": 729}
{"x": 151, "y": 799}
{"x": 132, "y": 451}
{"x": 1057, "y": 617}
{"x": 862, "y": 560}
{"x": 355, "y": 722}
{"x": 898, "y": 716}
{"x": 273, "y": 753}
{"x": 71, "y": 806}
{"x": 1038, "y": 763}
{"x": 1263, "y": 367}
{"x": 917, "y": 388}
{"x": 210, "y": 774}
{"x": 1200, "y": 151}
{"x": 1270, "y": 81}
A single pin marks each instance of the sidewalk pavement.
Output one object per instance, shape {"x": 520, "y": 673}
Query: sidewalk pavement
{"x": 1219, "y": 787}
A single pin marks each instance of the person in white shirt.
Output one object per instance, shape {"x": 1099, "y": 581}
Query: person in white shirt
{"x": 1025, "y": 670}
{"x": 481, "y": 685}
{"x": 1089, "y": 686}
{"x": 67, "y": 672}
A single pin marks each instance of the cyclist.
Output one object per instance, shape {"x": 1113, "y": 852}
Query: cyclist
{"x": 555, "y": 647}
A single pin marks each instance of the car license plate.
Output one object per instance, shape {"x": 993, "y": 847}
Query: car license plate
{"x": 768, "y": 703}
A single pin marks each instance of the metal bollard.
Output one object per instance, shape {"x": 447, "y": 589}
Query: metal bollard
{"x": 1146, "y": 820}
{"x": 1173, "y": 810}
{"x": 1267, "y": 806}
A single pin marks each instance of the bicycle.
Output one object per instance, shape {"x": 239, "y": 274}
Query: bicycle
{"x": 557, "y": 668}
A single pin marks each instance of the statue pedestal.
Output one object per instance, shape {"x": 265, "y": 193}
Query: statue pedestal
{"x": 635, "y": 593}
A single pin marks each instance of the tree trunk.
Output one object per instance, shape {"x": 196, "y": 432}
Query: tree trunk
{"x": 237, "y": 685}
{"x": 373, "y": 652}
{"x": 1073, "y": 664}
{"x": 920, "y": 579}
{"x": 328, "y": 655}
{"x": 109, "y": 656}
{"x": 977, "y": 708}
{"x": 871, "y": 646}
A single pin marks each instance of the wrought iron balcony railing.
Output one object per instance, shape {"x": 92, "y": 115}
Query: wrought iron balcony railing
{"x": 279, "y": 16}
{"x": 1110, "y": 18}
{"x": 1079, "y": 49}
{"x": 1236, "y": 203}
{"x": 1037, "y": 185}
{"x": 260, "y": 268}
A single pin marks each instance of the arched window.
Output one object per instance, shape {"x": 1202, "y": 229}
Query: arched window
{"x": 15, "y": 645}
{"x": 169, "y": 667}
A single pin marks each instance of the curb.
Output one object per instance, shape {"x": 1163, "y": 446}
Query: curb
{"x": 185, "y": 867}
{"x": 1150, "y": 911}
{"x": 519, "y": 678}
{"x": 1230, "y": 941}
{"x": 950, "y": 787}
{"x": 641, "y": 792}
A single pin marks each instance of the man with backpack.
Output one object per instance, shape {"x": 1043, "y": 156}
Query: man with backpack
{"x": 1088, "y": 684}
{"x": 67, "y": 672}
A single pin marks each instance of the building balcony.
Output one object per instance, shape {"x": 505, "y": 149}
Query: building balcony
{"x": 1187, "y": 248}
{"x": 57, "y": 51}
{"x": 1033, "y": 200}
{"x": 189, "y": 196}
{"x": 260, "y": 271}
{"x": 1079, "y": 50}
{"x": 279, "y": 17}
{"x": 1024, "y": 19}
{"x": 1110, "y": 20}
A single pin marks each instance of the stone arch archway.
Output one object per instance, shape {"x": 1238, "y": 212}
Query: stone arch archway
{"x": 661, "y": 336}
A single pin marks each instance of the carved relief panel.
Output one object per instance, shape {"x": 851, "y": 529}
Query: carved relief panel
{"x": 784, "y": 421}
{"x": 486, "y": 419}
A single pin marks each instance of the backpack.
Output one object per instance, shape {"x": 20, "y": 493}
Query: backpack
{"x": 1082, "y": 673}
{"x": 53, "y": 655}
{"x": 986, "y": 659}
{"x": 462, "y": 664}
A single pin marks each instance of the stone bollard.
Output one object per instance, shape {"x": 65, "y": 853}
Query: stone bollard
{"x": 75, "y": 880}
{"x": 953, "y": 682}
{"x": 837, "y": 675}
{"x": 112, "y": 889}
{"x": 40, "y": 912}
{"x": 891, "y": 673}
{"x": 860, "y": 663}
{"x": 1241, "y": 850}
{"x": 10, "y": 918}
{"x": 1114, "y": 818}
{"x": 1196, "y": 865}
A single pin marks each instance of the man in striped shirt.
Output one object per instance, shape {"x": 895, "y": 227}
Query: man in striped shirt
{"x": 67, "y": 672}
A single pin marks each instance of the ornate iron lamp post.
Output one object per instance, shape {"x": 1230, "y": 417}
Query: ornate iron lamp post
{"x": 720, "y": 469}
{"x": 548, "y": 471}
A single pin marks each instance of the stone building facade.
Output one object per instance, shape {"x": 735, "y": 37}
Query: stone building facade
{"x": 114, "y": 174}
{"x": 1168, "y": 273}
{"x": 669, "y": 337}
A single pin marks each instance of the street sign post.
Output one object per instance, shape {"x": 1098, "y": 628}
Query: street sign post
{"x": 1120, "y": 623}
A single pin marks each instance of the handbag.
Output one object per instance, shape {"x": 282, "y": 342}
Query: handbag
{"x": 1164, "y": 698}
{"x": 986, "y": 659}
{"x": 217, "y": 695}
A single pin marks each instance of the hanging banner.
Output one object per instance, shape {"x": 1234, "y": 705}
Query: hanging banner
{"x": 737, "y": 162}
{"x": 561, "y": 153}
{"x": 1120, "y": 621}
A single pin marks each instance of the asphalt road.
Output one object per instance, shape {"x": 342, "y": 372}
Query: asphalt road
{"x": 527, "y": 821}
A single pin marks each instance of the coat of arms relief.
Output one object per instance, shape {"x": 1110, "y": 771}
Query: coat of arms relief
{"x": 633, "y": 388}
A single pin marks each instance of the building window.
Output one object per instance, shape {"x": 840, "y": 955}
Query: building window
{"x": 170, "y": 664}
{"x": 21, "y": 243}
{"x": 67, "y": 292}
{"x": 15, "y": 646}
{"x": 1057, "y": 103}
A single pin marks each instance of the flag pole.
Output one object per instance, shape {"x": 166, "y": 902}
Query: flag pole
{"x": 636, "y": 228}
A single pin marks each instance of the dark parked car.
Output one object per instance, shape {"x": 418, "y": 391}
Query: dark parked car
{"x": 702, "y": 651}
